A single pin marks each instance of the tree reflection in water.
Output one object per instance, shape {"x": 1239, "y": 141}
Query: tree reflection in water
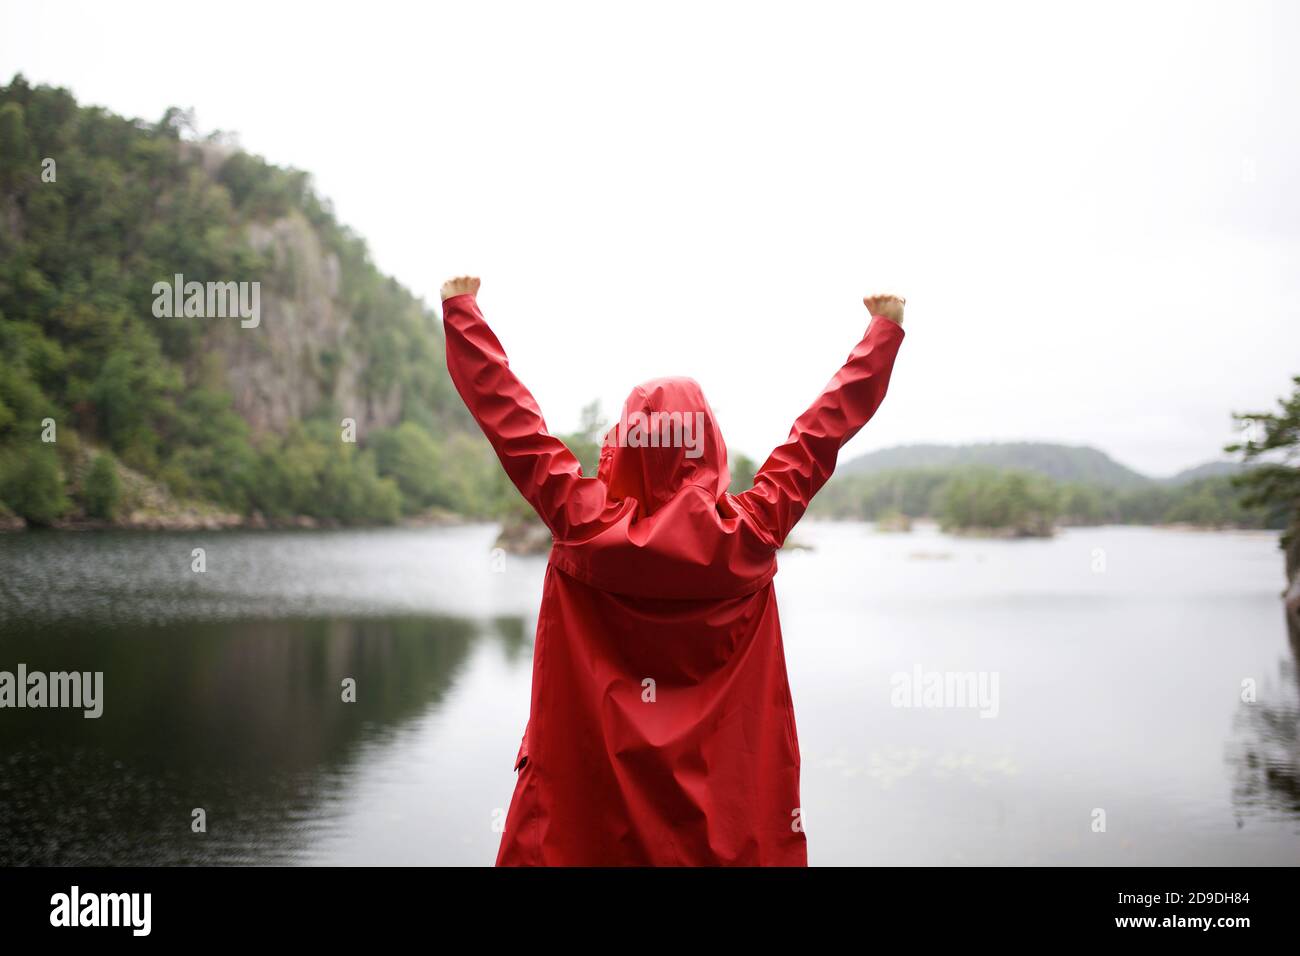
{"x": 1265, "y": 747}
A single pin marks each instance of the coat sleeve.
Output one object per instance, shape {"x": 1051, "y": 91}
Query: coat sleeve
{"x": 542, "y": 467}
{"x": 797, "y": 469}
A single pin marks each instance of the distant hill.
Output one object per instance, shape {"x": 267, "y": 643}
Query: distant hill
{"x": 1210, "y": 469}
{"x": 1060, "y": 462}
{"x": 1028, "y": 488}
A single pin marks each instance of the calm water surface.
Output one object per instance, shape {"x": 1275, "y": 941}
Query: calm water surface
{"x": 1120, "y": 655}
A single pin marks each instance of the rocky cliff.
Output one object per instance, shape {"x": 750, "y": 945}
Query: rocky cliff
{"x": 95, "y": 212}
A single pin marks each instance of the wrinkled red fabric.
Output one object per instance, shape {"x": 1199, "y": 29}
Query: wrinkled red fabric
{"x": 661, "y": 730}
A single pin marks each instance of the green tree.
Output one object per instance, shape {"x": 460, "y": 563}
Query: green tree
{"x": 102, "y": 492}
{"x": 743, "y": 470}
{"x": 1083, "y": 504}
{"x": 1272, "y": 444}
{"x": 410, "y": 455}
{"x": 585, "y": 442}
{"x": 17, "y": 160}
{"x": 1016, "y": 502}
{"x": 31, "y": 484}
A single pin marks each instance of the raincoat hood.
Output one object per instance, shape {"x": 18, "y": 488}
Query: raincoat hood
{"x": 677, "y": 532}
{"x": 667, "y": 439}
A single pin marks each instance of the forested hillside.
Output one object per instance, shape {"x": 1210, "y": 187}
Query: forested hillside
{"x": 1031, "y": 487}
{"x": 1058, "y": 462}
{"x": 150, "y": 412}
{"x": 1018, "y": 501}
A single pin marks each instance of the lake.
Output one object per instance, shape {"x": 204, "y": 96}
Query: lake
{"x": 1117, "y": 654}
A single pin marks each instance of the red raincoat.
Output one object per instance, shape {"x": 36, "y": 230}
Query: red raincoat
{"x": 661, "y": 730}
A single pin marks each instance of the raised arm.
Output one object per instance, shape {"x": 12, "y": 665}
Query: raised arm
{"x": 541, "y": 466}
{"x": 797, "y": 469}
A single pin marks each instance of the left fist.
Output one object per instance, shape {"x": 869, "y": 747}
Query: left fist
{"x": 459, "y": 286}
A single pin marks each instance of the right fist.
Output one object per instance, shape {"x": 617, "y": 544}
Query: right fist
{"x": 886, "y": 306}
{"x": 459, "y": 286}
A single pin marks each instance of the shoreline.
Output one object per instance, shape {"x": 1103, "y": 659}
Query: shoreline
{"x": 223, "y": 521}
{"x": 198, "y": 520}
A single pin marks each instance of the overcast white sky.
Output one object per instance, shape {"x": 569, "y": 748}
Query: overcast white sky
{"x": 1093, "y": 209}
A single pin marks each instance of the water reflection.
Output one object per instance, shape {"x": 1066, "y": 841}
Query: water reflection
{"x": 1265, "y": 750}
{"x": 222, "y": 691}
{"x": 245, "y": 721}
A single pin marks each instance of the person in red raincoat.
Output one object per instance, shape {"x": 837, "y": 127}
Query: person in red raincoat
{"x": 661, "y": 730}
